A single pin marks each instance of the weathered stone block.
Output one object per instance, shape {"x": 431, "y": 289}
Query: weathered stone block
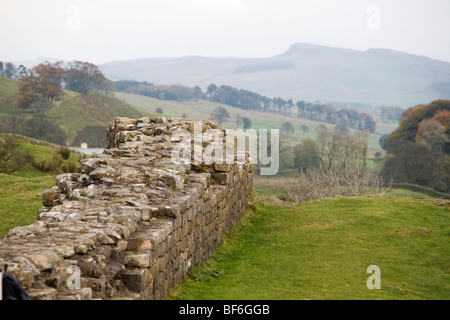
{"x": 221, "y": 178}
{"x": 141, "y": 260}
{"x": 136, "y": 280}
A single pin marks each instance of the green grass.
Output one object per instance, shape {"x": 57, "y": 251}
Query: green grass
{"x": 20, "y": 192}
{"x": 20, "y": 199}
{"x": 8, "y": 95}
{"x": 321, "y": 250}
{"x": 77, "y": 112}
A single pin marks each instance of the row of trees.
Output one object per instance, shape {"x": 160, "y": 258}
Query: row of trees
{"x": 46, "y": 82}
{"x": 248, "y": 100}
{"x": 10, "y": 70}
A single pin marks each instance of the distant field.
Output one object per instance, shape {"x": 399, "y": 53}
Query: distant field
{"x": 201, "y": 110}
{"x": 322, "y": 249}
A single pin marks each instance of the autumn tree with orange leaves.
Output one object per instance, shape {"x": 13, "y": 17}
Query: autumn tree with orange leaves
{"x": 42, "y": 85}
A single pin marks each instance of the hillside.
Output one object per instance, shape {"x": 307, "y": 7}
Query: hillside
{"x": 322, "y": 249}
{"x": 78, "y": 112}
{"x": 75, "y": 112}
{"x": 200, "y": 110}
{"x": 8, "y": 94}
{"x": 304, "y": 72}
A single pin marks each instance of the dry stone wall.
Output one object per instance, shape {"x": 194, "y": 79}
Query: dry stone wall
{"x": 130, "y": 222}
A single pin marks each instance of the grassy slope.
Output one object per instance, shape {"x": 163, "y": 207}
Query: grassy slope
{"x": 20, "y": 192}
{"x": 321, "y": 250}
{"x": 8, "y": 95}
{"x": 77, "y": 112}
{"x": 200, "y": 110}
{"x": 20, "y": 199}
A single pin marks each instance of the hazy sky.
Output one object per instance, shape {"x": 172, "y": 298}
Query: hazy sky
{"x": 105, "y": 30}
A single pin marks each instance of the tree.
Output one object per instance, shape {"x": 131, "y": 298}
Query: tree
{"x": 83, "y": 77}
{"x": 184, "y": 115}
{"x": 42, "y": 84}
{"x": 287, "y": 127}
{"x": 304, "y": 128}
{"x": 247, "y": 123}
{"x": 407, "y": 129}
{"x": 198, "y": 93}
{"x": 431, "y": 133}
{"x": 13, "y": 123}
{"x": 10, "y": 70}
{"x": 306, "y": 155}
{"x": 321, "y": 127}
{"x": 220, "y": 114}
{"x": 211, "y": 89}
{"x": 40, "y": 127}
{"x": 382, "y": 141}
{"x": 22, "y": 71}
{"x": 159, "y": 110}
{"x": 341, "y": 128}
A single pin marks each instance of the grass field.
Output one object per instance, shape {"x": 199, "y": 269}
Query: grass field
{"x": 321, "y": 250}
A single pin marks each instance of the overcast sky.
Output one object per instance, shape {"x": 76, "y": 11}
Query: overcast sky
{"x": 105, "y": 30}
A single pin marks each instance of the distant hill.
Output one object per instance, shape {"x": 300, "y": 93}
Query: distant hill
{"x": 304, "y": 72}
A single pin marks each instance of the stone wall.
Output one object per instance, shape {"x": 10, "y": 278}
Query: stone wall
{"x": 132, "y": 221}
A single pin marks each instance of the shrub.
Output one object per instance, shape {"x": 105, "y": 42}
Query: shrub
{"x": 64, "y": 152}
{"x": 46, "y": 165}
{"x": 159, "y": 110}
{"x": 11, "y": 157}
{"x": 69, "y": 167}
{"x": 322, "y": 182}
{"x": 43, "y": 165}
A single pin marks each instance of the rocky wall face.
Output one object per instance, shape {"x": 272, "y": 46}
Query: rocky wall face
{"x": 130, "y": 223}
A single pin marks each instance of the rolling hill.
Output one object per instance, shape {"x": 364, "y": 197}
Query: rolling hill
{"x": 304, "y": 72}
{"x": 75, "y": 112}
{"x": 78, "y": 112}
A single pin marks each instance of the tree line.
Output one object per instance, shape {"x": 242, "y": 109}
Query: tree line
{"x": 45, "y": 83}
{"x": 248, "y": 100}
